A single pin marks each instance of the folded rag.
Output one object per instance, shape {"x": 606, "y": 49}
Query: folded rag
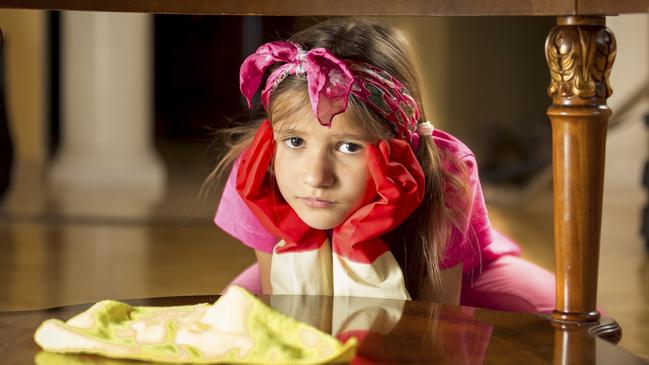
{"x": 238, "y": 328}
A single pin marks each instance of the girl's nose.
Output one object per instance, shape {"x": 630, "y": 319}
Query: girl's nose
{"x": 318, "y": 172}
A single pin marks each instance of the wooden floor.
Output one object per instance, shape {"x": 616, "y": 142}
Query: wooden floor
{"x": 52, "y": 254}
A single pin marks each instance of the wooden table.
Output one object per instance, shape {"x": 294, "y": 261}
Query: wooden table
{"x": 580, "y": 51}
{"x": 400, "y": 332}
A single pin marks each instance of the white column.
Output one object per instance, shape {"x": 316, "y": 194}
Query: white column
{"x": 106, "y": 163}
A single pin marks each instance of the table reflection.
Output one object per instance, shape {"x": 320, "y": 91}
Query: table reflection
{"x": 385, "y": 330}
{"x": 389, "y": 331}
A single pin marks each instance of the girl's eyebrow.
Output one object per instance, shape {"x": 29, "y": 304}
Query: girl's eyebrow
{"x": 360, "y": 137}
{"x": 290, "y": 131}
{"x": 351, "y": 136}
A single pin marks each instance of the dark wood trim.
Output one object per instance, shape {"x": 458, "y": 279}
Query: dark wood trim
{"x": 607, "y": 329}
{"x": 600, "y": 7}
{"x": 342, "y": 7}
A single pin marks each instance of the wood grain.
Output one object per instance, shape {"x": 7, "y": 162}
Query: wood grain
{"x": 343, "y": 7}
{"x": 425, "y": 333}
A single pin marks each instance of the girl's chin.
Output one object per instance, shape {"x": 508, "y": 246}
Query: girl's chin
{"x": 322, "y": 219}
{"x": 321, "y": 223}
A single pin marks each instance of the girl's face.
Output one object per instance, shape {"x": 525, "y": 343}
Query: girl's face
{"x": 322, "y": 172}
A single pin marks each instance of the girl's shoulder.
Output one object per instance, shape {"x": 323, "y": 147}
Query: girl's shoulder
{"x": 454, "y": 151}
{"x": 235, "y": 218}
{"x": 451, "y": 144}
{"x": 476, "y": 243}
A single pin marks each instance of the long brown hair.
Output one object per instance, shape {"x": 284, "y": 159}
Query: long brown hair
{"x": 418, "y": 243}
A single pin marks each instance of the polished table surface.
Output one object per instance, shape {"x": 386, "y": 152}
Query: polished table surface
{"x": 392, "y": 331}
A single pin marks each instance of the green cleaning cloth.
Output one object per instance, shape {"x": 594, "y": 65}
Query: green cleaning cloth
{"x": 238, "y": 328}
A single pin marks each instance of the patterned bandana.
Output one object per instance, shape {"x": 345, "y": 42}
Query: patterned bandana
{"x": 330, "y": 81}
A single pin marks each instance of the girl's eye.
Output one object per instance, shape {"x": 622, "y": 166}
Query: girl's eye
{"x": 349, "y": 148}
{"x": 293, "y": 142}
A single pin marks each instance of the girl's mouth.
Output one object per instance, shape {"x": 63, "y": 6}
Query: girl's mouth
{"x": 317, "y": 203}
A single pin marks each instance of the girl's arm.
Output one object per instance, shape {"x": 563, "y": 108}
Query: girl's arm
{"x": 449, "y": 290}
{"x": 264, "y": 259}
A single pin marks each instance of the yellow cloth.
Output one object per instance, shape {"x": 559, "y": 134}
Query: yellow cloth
{"x": 237, "y": 328}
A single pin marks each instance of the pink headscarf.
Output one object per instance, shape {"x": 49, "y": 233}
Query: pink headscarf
{"x": 330, "y": 81}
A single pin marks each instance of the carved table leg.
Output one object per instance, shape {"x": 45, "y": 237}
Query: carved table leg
{"x": 580, "y": 52}
{"x": 574, "y": 343}
{"x": 572, "y": 346}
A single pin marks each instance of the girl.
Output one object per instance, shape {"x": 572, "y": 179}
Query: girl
{"x": 346, "y": 189}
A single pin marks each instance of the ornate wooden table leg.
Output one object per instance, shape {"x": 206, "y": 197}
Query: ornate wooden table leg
{"x": 580, "y": 51}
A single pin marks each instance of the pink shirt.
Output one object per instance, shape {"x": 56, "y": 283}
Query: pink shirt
{"x": 477, "y": 244}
